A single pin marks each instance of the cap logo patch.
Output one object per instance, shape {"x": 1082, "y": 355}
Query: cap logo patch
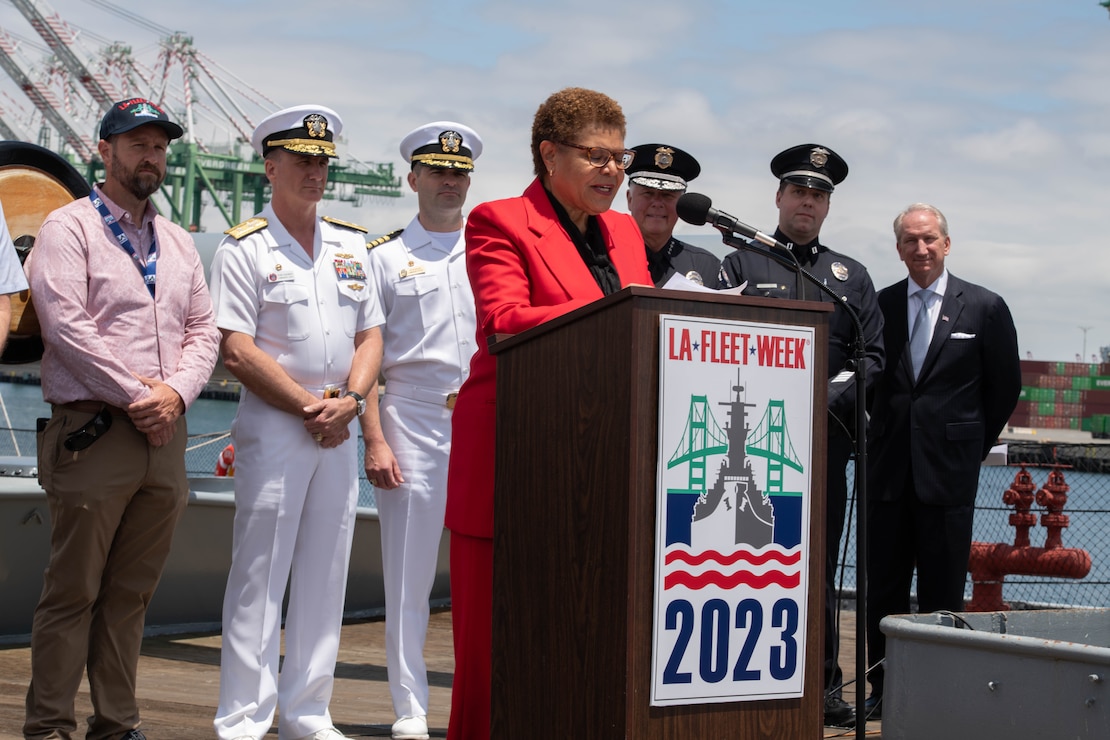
{"x": 819, "y": 157}
{"x": 450, "y": 142}
{"x": 144, "y": 110}
{"x": 664, "y": 157}
{"x": 316, "y": 125}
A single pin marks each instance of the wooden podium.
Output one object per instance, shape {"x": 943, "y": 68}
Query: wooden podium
{"x": 575, "y": 527}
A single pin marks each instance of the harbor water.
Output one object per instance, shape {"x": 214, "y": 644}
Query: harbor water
{"x": 209, "y": 421}
{"x": 1088, "y": 506}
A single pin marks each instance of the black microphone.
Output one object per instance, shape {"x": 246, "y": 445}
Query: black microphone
{"x": 697, "y": 209}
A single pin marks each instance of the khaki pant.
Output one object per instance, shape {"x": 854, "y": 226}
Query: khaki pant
{"x": 113, "y": 509}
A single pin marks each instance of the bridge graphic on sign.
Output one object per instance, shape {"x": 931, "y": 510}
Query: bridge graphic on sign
{"x": 735, "y": 487}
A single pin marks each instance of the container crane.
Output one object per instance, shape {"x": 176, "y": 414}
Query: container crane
{"x": 43, "y": 98}
{"x": 192, "y": 167}
{"x": 59, "y": 38}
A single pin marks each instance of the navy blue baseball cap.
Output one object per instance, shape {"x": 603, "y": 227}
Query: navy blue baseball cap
{"x": 134, "y": 112}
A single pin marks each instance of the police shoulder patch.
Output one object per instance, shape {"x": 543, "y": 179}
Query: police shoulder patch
{"x": 246, "y": 228}
{"x": 383, "y": 239}
{"x": 345, "y": 224}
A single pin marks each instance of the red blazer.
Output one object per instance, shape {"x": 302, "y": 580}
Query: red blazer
{"x": 524, "y": 270}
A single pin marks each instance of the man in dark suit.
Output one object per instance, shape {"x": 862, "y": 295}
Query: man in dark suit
{"x": 951, "y": 381}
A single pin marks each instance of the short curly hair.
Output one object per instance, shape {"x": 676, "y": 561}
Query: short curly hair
{"x": 564, "y": 114}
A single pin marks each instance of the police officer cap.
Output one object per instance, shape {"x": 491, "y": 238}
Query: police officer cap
{"x": 662, "y": 167}
{"x": 134, "y": 112}
{"x": 811, "y": 166}
{"x": 302, "y": 129}
{"x": 442, "y": 144}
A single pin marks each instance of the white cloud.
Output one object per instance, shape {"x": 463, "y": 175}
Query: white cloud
{"x": 1024, "y": 145}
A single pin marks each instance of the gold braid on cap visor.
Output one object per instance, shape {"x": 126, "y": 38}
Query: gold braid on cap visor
{"x": 457, "y": 161}
{"x": 314, "y": 147}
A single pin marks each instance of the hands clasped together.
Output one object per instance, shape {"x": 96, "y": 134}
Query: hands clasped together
{"x": 156, "y": 415}
{"x": 328, "y": 420}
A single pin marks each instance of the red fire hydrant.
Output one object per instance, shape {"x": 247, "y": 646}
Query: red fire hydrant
{"x": 1020, "y": 496}
{"x": 990, "y": 563}
{"x": 1053, "y": 497}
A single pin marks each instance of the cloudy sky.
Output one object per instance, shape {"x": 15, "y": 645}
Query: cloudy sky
{"x": 996, "y": 111}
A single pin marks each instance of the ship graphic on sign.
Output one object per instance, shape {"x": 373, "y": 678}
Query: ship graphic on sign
{"x": 735, "y": 509}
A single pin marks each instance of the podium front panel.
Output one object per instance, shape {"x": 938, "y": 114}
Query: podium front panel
{"x": 733, "y": 510}
{"x": 575, "y": 529}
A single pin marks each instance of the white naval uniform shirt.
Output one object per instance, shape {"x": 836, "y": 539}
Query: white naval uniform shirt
{"x": 302, "y": 312}
{"x": 425, "y": 295}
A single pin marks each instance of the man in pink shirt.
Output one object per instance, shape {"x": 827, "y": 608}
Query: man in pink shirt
{"x": 130, "y": 341}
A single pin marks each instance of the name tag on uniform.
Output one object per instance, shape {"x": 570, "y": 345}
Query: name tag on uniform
{"x": 412, "y": 270}
{"x": 279, "y": 274}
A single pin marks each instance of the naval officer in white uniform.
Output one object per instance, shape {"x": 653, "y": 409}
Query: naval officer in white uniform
{"x": 419, "y": 276}
{"x": 300, "y": 328}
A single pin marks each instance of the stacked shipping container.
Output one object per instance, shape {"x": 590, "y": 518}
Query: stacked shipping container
{"x": 1064, "y": 395}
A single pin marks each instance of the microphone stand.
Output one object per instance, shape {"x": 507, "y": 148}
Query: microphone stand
{"x": 859, "y": 359}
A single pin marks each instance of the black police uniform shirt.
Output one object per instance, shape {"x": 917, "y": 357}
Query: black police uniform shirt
{"x": 683, "y": 258}
{"x": 847, "y": 278}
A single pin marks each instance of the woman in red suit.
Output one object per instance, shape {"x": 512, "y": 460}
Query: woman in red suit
{"x": 555, "y": 248}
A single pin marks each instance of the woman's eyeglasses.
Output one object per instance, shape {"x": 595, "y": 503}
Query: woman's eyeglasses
{"x": 599, "y": 156}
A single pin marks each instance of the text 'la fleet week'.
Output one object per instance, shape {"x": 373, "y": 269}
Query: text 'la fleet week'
{"x": 737, "y": 348}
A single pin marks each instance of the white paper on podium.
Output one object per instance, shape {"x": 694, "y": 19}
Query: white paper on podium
{"x": 679, "y": 282}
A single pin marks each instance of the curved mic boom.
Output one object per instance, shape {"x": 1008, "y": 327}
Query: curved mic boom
{"x": 697, "y": 209}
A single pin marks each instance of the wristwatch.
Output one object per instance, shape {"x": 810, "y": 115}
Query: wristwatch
{"x": 360, "y": 402}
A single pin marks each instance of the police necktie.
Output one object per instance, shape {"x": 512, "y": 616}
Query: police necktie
{"x": 919, "y": 337}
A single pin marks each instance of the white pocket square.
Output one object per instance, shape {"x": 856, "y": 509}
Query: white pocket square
{"x": 961, "y": 335}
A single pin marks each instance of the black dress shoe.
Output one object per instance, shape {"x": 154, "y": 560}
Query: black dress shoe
{"x": 873, "y": 707}
{"x": 838, "y": 713}
{"x": 133, "y": 735}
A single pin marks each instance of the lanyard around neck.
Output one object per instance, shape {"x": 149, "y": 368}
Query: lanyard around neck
{"x": 149, "y": 270}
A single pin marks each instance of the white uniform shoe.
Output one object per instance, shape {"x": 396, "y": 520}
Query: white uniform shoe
{"x": 329, "y": 733}
{"x": 411, "y": 728}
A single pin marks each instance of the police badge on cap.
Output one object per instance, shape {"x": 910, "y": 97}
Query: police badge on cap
{"x": 811, "y": 166}
{"x": 303, "y": 129}
{"x": 443, "y": 144}
{"x": 662, "y": 167}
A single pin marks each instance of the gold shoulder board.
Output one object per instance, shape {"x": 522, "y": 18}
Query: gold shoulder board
{"x": 249, "y": 226}
{"x": 345, "y": 224}
{"x": 383, "y": 239}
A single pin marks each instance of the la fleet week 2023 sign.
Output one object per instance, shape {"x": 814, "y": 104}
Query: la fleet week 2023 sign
{"x": 732, "y": 511}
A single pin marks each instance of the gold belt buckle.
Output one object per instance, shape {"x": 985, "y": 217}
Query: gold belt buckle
{"x": 451, "y": 398}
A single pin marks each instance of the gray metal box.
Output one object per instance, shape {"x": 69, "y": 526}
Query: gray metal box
{"x": 1008, "y": 675}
